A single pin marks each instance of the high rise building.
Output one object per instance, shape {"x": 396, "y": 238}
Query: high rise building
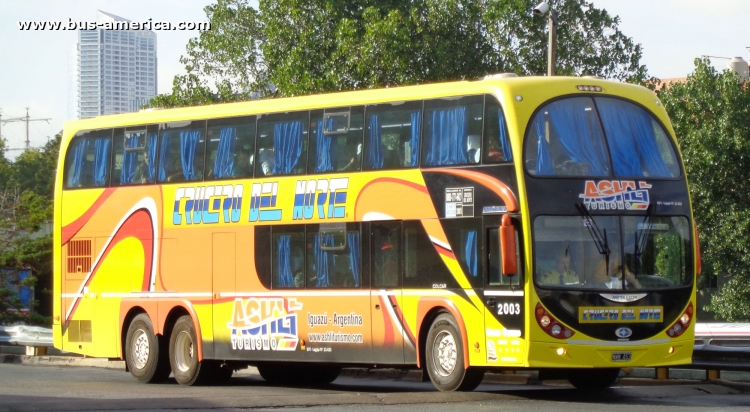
{"x": 115, "y": 69}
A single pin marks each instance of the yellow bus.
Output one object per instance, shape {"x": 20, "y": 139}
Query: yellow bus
{"x": 458, "y": 228}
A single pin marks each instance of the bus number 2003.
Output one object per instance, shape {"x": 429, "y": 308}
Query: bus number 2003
{"x": 508, "y": 309}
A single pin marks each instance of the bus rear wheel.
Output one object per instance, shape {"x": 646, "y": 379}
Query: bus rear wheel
{"x": 183, "y": 355}
{"x": 444, "y": 357}
{"x": 593, "y": 378}
{"x": 146, "y": 353}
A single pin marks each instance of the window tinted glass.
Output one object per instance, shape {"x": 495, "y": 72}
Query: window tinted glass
{"x": 87, "y": 160}
{"x": 288, "y": 251}
{"x": 231, "y": 148}
{"x": 282, "y": 144}
{"x": 336, "y": 152}
{"x": 657, "y": 253}
{"x": 181, "y": 150}
{"x": 135, "y": 156}
{"x": 638, "y": 144}
{"x": 386, "y": 250}
{"x": 392, "y": 135}
{"x": 333, "y": 268}
{"x": 496, "y": 142}
{"x": 453, "y": 131}
{"x": 423, "y": 267}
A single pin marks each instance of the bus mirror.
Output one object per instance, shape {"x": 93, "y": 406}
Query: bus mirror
{"x": 508, "y": 246}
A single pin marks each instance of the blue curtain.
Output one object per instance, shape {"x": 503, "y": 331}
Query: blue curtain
{"x": 323, "y": 261}
{"x": 166, "y": 139}
{"x": 447, "y": 137}
{"x": 324, "y": 149}
{"x": 503, "y": 136}
{"x": 79, "y": 163}
{"x": 224, "y": 162}
{"x": 375, "y": 157}
{"x": 581, "y": 140}
{"x": 631, "y": 139}
{"x": 129, "y": 161}
{"x": 416, "y": 128}
{"x": 284, "y": 265}
{"x": 287, "y": 143}
{"x": 470, "y": 252}
{"x": 543, "y": 161}
{"x": 188, "y": 145}
{"x": 101, "y": 161}
{"x": 151, "y": 153}
{"x": 352, "y": 239}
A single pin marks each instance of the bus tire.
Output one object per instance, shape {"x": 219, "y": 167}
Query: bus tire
{"x": 593, "y": 378}
{"x": 146, "y": 353}
{"x": 444, "y": 357}
{"x": 183, "y": 355}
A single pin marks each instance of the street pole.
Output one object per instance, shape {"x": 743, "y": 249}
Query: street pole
{"x": 552, "y": 46}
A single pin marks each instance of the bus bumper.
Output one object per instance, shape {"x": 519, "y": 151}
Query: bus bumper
{"x": 596, "y": 355}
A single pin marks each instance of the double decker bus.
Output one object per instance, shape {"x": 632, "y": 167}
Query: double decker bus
{"x": 458, "y": 228}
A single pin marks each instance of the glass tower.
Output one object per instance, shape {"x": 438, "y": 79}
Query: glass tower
{"x": 116, "y": 70}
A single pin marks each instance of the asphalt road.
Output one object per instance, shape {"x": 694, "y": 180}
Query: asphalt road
{"x": 54, "y": 388}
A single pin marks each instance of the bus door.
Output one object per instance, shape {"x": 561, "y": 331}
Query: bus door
{"x": 505, "y": 311}
{"x": 385, "y": 295}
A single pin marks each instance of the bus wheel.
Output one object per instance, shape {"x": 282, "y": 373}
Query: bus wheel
{"x": 593, "y": 378}
{"x": 146, "y": 353}
{"x": 183, "y": 355}
{"x": 444, "y": 357}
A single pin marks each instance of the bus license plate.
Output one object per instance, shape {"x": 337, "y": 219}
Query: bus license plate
{"x": 621, "y": 356}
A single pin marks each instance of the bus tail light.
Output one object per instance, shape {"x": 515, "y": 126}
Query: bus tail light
{"x": 682, "y": 323}
{"x": 551, "y": 325}
{"x": 508, "y": 246}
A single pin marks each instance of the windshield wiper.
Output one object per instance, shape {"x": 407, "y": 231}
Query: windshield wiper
{"x": 599, "y": 236}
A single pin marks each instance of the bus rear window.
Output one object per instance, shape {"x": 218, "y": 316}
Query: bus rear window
{"x": 600, "y": 136}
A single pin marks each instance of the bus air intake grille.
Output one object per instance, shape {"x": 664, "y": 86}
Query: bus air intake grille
{"x": 79, "y": 331}
{"x": 79, "y": 256}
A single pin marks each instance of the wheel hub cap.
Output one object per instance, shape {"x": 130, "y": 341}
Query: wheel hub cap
{"x": 183, "y": 351}
{"x": 446, "y": 353}
{"x": 140, "y": 349}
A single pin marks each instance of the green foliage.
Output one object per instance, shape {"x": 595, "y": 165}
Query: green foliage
{"x": 710, "y": 113}
{"x": 26, "y": 194}
{"x": 296, "y": 47}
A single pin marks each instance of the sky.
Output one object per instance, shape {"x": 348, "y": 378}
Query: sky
{"x": 34, "y": 66}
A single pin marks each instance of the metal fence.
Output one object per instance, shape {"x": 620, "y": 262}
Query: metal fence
{"x": 22, "y": 335}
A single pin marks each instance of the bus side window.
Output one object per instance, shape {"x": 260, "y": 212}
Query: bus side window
{"x": 333, "y": 268}
{"x": 231, "y": 147}
{"x": 135, "y": 156}
{"x": 288, "y": 262}
{"x": 181, "y": 149}
{"x": 453, "y": 130}
{"x": 340, "y": 151}
{"x": 496, "y": 142}
{"x": 87, "y": 163}
{"x": 386, "y": 248}
{"x": 392, "y": 135}
{"x": 464, "y": 236}
{"x": 282, "y": 144}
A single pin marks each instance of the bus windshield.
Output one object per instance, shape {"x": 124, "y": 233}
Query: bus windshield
{"x": 598, "y": 136}
{"x": 630, "y": 252}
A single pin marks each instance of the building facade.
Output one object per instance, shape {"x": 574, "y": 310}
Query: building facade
{"x": 115, "y": 69}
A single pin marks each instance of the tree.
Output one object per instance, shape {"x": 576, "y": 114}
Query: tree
{"x": 296, "y": 47}
{"x": 26, "y": 194}
{"x": 710, "y": 113}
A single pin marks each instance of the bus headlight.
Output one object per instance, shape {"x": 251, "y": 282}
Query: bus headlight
{"x": 550, "y": 325}
{"x": 682, "y": 323}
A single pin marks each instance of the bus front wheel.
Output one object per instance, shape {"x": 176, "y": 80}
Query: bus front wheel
{"x": 183, "y": 355}
{"x": 146, "y": 353}
{"x": 444, "y": 357}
